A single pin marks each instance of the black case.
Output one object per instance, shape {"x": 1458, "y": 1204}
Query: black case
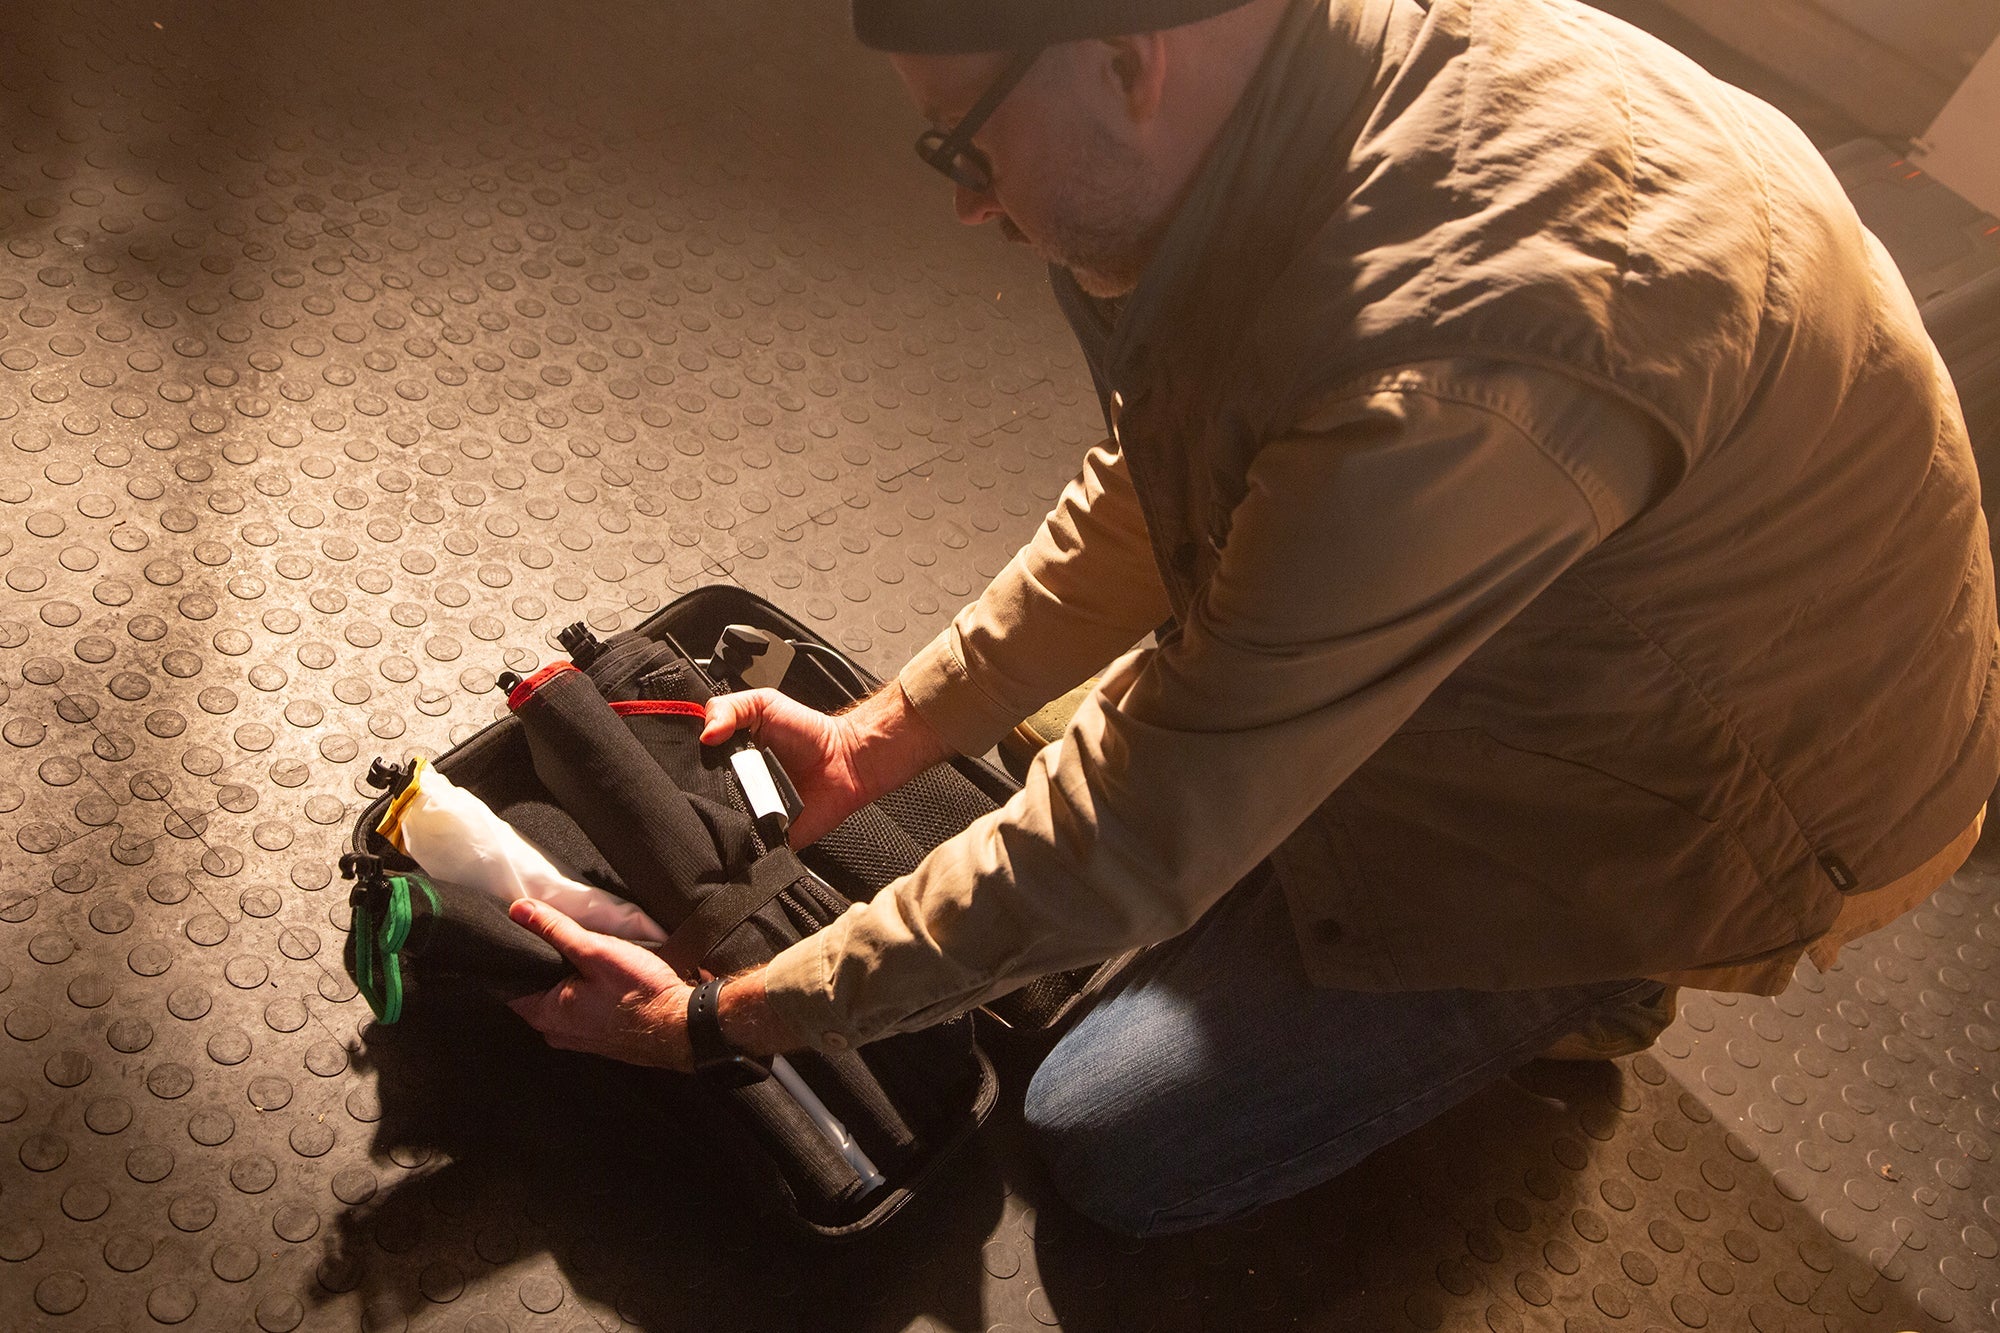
{"x": 494, "y": 765}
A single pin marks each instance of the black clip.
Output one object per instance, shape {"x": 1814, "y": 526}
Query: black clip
{"x": 582, "y": 646}
{"x": 371, "y": 881}
{"x": 389, "y": 777}
{"x": 751, "y": 658}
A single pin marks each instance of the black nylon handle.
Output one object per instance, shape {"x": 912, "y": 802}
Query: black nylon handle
{"x": 723, "y": 911}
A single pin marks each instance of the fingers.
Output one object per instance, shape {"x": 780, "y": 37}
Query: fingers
{"x": 531, "y": 1008}
{"x": 607, "y": 1018}
{"x": 597, "y": 958}
{"x": 569, "y": 939}
{"x": 542, "y": 1011}
{"x": 545, "y": 1013}
{"x": 770, "y": 717}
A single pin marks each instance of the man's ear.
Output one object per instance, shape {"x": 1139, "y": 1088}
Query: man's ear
{"x": 1138, "y": 65}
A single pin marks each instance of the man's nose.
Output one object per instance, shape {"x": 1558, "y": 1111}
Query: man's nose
{"x": 976, "y": 206}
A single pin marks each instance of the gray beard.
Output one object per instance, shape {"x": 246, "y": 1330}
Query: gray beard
{"x": 1105, "y": 278}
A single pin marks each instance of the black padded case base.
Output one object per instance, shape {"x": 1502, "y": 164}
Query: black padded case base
{"x": 494, "y": 765}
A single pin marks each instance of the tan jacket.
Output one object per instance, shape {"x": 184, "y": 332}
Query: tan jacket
{"x": 1571, "y": 545}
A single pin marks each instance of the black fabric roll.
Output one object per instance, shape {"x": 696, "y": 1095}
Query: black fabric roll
{"x": 705, "y": 775}
{"x": 666, "y": 856}
{"x": 709, "y": 790}
{"x": 851, "y": 1082}
{"x": 668, "y": 817}
{"x": 471, "y": 943}
{"x": 942, "y": 27}
{"x": 819, "y": 1177}
{"x": 459, "y": 941}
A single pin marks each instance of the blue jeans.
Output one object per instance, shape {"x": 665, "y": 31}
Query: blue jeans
{"x": 1213, "y": 1078}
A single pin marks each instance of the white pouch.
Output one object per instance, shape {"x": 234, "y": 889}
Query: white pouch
{"x": 455, "y": 836}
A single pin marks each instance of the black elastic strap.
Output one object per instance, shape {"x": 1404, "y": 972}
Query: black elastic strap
{"x": 723, "y": 911}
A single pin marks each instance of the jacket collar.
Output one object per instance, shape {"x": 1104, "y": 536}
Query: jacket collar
{"x": 1272, "y": 177}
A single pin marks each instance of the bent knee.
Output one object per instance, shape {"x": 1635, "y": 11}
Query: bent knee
{"x": 1100, "y": 1158}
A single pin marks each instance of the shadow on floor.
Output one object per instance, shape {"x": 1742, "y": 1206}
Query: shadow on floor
{"x": 522, "y": 1153}
{"x": 1519, "y": 1182}
{"x": 595, "y": 1159}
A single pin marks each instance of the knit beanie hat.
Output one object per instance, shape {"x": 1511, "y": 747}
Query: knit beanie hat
{"x": 962, "y": 27}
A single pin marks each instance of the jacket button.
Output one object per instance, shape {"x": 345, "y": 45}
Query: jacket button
{"x": 833, "y": 1041}
{"x": 1117, "y": 414}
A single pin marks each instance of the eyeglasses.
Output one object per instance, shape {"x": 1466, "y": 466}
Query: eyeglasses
{"x": 953, "y": 153}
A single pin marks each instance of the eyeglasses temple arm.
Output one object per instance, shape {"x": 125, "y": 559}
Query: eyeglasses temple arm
{"x": 948, "y": 148}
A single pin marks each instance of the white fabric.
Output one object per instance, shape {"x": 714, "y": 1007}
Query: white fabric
{"x": 454, "y": 836}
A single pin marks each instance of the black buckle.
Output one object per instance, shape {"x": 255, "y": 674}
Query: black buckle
{"x": 582, "y": 646}
{"x": 387, "y": 776}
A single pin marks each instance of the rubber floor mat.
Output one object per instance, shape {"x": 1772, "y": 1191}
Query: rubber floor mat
{"x": 347, "y": 352}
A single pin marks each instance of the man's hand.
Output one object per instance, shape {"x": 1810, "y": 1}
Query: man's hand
{"x": 623, "y": 1001}
{"x": 839, "y": 762}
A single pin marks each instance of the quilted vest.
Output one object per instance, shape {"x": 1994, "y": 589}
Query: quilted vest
{"x": 1772, "y": 689}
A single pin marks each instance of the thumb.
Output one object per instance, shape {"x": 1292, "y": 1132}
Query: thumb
{"x": 730, "y": 713}
{"x": 568, "y": 938}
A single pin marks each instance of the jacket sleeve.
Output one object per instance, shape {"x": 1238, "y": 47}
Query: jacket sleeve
{"x": 1081, "y": 592}
{"x": 1373, "y": 552}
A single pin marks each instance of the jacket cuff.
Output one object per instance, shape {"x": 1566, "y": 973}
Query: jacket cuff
{"x": 941, "y": 688}
{"x": 796, "y": 988}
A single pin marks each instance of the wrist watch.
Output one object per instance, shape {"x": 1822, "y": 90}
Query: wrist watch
{"x": 715, "y": 1059}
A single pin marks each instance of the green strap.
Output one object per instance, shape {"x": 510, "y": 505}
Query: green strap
{"x": 381, "y": 951}
{"x": 362, "y": 929}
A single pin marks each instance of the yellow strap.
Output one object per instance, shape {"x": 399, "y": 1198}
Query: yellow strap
{"x": 391, "y": 825}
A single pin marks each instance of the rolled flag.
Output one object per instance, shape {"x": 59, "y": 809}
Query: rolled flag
{"x": 411, "y": 931}
{"x": 455, "y": 836}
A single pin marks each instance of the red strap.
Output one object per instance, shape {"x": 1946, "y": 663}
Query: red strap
{"x": 520, "y": 693}
{"x": 641, "y": 707}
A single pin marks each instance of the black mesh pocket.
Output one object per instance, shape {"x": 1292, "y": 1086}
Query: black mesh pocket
{"x": 863, "y": 852}
{"x": 935, "y": 805}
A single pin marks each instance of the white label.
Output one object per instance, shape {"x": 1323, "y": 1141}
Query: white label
{"x": 758, "y": 788}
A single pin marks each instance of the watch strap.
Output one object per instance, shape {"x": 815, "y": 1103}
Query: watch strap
{"x": 714, "y": 1057}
